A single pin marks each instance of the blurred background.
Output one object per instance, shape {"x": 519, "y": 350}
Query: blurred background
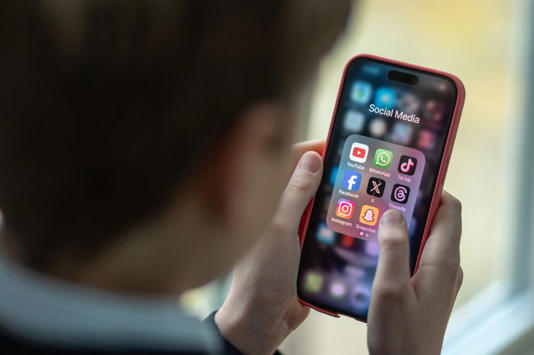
{"x": 488, "y": 45}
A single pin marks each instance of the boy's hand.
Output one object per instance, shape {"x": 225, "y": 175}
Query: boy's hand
{"x": 262, "y": 307}
{"x": 408, "y": 315}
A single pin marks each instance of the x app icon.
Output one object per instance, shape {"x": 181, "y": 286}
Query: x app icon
{"x": 376, "y": 187}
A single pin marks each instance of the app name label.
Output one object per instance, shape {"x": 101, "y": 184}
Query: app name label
{"x": 373, "y": 176}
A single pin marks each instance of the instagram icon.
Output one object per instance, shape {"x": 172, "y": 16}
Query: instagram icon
{"x": 345, "y": 208}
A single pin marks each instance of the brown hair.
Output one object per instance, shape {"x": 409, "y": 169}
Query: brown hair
{"x": 105, "y": 105}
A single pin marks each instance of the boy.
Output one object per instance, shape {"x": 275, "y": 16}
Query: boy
{"x": 144, "y": 149}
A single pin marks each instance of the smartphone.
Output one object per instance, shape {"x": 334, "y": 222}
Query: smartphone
{"x": 388, "y": 146}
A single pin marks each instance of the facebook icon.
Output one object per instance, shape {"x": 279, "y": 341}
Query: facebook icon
{"x": 351, "y": 180}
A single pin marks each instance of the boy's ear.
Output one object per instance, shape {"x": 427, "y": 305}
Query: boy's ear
{"x": 239, "y": 162}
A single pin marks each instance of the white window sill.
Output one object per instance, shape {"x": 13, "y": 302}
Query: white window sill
{"x": 493, "y": 322}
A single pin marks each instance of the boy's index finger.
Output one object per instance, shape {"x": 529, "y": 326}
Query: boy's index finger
{"x": 394, "y": 249}
{"x": 441, "y": 254}
{"x": 446, "y": 229}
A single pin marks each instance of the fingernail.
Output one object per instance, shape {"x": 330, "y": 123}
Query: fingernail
{"x": 310, "y": 162}
{"x": 392, "y": 217}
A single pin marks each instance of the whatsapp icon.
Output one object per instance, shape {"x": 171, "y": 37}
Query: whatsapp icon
{"x": 383, "y": 158}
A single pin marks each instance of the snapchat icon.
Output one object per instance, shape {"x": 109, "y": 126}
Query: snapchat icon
{"x": 369, "y": 215}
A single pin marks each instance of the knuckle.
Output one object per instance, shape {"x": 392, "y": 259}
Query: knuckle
{"x": 393, "y": 239}
{"x": 300, "y": 183}
{"x": 456, "y": 204}
{"x": 460, "y": 277}
{"x": 450, "y": 268}
{"x": 451, "y": 264}
{"x": 278, "y": 227}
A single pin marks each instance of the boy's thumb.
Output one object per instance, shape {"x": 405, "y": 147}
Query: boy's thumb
{"x": 393, "y": 260}
{"x": 301, "y": 188}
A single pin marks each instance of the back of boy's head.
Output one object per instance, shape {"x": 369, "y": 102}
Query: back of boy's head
{"x": 105, "y": 106}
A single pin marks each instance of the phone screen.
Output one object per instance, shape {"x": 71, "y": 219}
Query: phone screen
{"x": 385, "y": 150}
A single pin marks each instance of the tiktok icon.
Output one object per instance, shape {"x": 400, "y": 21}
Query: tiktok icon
{"x": 407, "y": 165}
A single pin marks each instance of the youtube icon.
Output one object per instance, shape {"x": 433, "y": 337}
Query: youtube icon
{"x": 358, "y": 152}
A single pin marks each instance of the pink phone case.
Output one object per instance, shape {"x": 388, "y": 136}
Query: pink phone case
{"x": 442, "y": 169}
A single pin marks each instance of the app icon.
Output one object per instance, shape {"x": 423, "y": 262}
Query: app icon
{"x": 325, "y": 235}
{"x": 371, "y": 69}
{"x": 333, "y": 175}
{"x": 427, "y": 140}
{"x": 345, "y": 208}
{"x": 378, "y": 127}
{"x": 383, "y": 158}
{"x": 361, "y": 92}
{"x": 347, "y": 241}
{"x": 376, "y": 187}
{"x": 358, "y": 152}
{"x": 402, "y": 133}
{"x": 400, "y": 193}
{"x": 369, "y": 215}
{"x": 313, "y": 282}
{"x": 371, "y": 248}
{"x": 337, "y": 290}
{"x": 407, "y": 165}
{"x": 351, "y": 180}
{"x": 385, "y": 98}
{"x": 360, "y": 296}
{"x": 353, "y": 121}
{"x": 409, "y": 103}
{"x": 434, "y": 110}
{"x": 354, "y": 272}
